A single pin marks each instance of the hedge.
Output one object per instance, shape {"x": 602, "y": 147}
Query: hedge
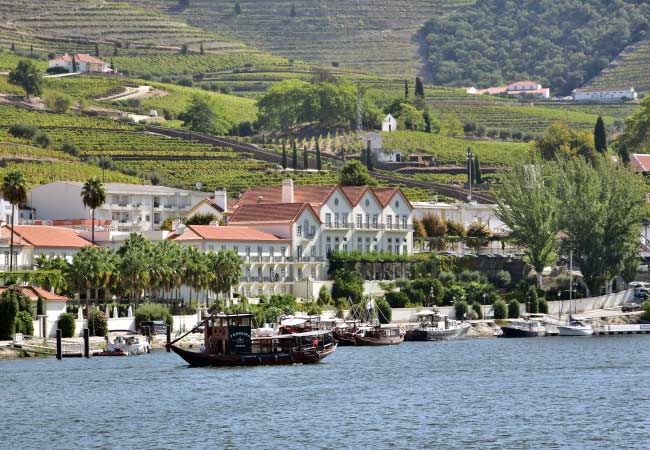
{"x": 66, "y": 324}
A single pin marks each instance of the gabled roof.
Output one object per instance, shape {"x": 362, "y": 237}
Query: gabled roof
{"x": 640, "y": 162}
{"x": 208, "y": 202}
{"x": 354, "y": 194}
{"x": 271, "y": 213}
{"x": 227, "y": 233}
{"x": 79, "y": 57}
{"x": 386, "y": 194}
{"x": 45, "y": 236}
{"x": 314, "y": 195}
{"x": 33, "y": 292}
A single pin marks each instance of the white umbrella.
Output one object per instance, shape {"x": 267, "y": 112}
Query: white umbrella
{"x": 129, "y": 312}
{"x": 80, "y": 313}
{"x": 115, "y": 312}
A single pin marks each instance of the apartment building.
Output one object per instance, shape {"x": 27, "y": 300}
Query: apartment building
{"x": 129, "y": 207}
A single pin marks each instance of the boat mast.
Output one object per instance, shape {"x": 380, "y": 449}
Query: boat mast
{"x": 571, "y": 282}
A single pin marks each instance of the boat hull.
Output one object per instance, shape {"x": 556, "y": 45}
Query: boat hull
{"x": 204, "y": 359}
{"x": 575, "y": 331}
{"x": 374, "y": 341}
{"x": 419, "y": 334}
{"x": 509, "y": 332}
{"x": 344, "y": 339}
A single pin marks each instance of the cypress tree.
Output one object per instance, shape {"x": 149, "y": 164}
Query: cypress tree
{"x": 13, "y": 46}
{"x": 293, "y": 10}
{"x": 624, "y": 154}
{"x": 40, "y": 306}
{"x": 419, "y": 88}
{"x": 201, "y": 49}
{"x": 295, "y": 155}
{"x": 284, "y": 155}
{"x": 112, "y": 65}
{"x": 305, "y": 158}
{"x": 478, "y": 176}
{"x": 319, "y": 163}
{"x": 115, "y": 50}
{"x": 342, "y": 154}
{"x": 368, "y": 157}
{"x": 97, "y": 50}
{"x": 237, "y": 8}
{"x": 406, "y": 89}
{"x": 74, "y": 64}
{"x": 31, "y": 49}
{"x": 600, "y": 137}
{"x": 427, "y": 121}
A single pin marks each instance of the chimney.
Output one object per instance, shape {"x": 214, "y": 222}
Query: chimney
{"x": 221, "y": 199}
{"x": 287, "y": 190}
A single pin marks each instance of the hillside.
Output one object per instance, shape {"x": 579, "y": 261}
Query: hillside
{"x": 561, "y": 44}
{"x": 630, "y": 68}
{"x": 377, "y": 36}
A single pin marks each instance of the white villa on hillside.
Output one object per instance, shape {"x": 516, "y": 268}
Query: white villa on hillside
{"x": 463, "y": 213}
{"x": 604, "y": 94}
{"x": 83, "y": 63}
{"x": 130, "y": 207}
{"x": 516, "y": 89}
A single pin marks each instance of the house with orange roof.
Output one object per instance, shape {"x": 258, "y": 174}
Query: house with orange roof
{"x": 31, "y": 241}
{"x": 82, "y": 62}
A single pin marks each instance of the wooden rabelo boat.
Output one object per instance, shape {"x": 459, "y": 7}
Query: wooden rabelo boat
{"x": 228, "y": 342}
{"x": 378, "y": 335}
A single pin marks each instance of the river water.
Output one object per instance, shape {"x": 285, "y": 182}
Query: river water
{"x": 552, "y": 393}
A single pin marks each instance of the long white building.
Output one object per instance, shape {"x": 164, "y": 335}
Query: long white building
{"x": 129, "y": 207}
{"x": 604, "y": 94}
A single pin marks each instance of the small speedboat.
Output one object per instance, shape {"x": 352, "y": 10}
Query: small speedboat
{"x": 575, "y": 327}
{"x": 126, "y": 345}
{"x": 436, "y": 327}
{"x": 523, "y": 329}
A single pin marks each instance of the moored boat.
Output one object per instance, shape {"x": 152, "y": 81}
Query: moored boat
{"x": 435, "y": 327}
{"x": 228, "y": 341}
{"x": 377, "y": 335}
{"x": 126, "y": 345}
{"x": 523, "y": 329}
{"x": 575, "y": 327}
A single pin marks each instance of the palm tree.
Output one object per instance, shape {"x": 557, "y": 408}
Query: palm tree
{"x": 226, "y": 269}
{"x": 14, "y": 190}
{"x": 134, "y": 266}
{"x": 93, "y": 196}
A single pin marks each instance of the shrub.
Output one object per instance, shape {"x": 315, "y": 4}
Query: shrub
{"x": 397, "y": 299}
{"x": 470, "y": 275}
{"x": 41, "y": 138}
{"x": 384, "y": 311}
{"x": 314, "y": 309}
{"x": 500, "y": 309}
{"x": 59, "y": 103}
{"x": 56, "y": 70}
{"x": 456, "y": 229}
{"x": 152, "y": 311}
{"x": 24, "y": 323}
{"x": 513, "y": 309}
{"x": 66, "y": 324}
{"x": 543, "y": 306}
{"x": 645, "y": 306}
{"x": 503, "y": 279}
{"x": 40, "y": 306}
{"x": 461, "y": 308}
{"x": 70, "y": 149}
{"x": 478, "y": 310}
{"x": 8, "y": 311}
{"x": 447, "y": 278}
{"x": 187, "y": 82}
{"x": 454, "y": 294}
{"x": 97, "y": 323}
{"x": 349, "y": 285}
{"x": 22, "y": 131}
{"x": 324, "y": 296}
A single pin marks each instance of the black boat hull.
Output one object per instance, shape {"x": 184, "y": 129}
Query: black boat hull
{"x": 509, "y": 332}
{"x": 204, "y": 359}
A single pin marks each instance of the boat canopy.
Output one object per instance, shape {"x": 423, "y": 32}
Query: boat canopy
{"x": 426, "y": 312}
{"x": 296, "y": 335}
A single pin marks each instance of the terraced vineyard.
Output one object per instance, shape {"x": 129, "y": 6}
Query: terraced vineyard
{"x": 524, "y": 118}
{"x": 630, "y": 69}
{"x": 377, "y": 36}
{"x": 454, "y": 150}
{"x": 112, "y": 21}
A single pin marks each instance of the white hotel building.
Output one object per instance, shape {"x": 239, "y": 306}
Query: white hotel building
{"x": 284, "y": 234}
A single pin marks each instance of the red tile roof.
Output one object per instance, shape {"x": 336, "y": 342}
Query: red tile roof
{"x": 45, "y": 236}
{"x": 315, "y": 195}
{"x": 354, "y": 193}
{"x": 271, "y": 213}
{"x": 640, "y": 162}
{"x": 79, "y": 57}
{"x": 34, "y": 292}
{"x": 228, "y": 233}
{"x": 384, "y": 195}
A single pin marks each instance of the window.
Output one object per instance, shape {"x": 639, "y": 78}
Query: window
{"x": 259, "y": 251}
{"x": 300, "y": 274}
{"x": 248, "y": 252}
{"x": 313, "y": 251}
{"x": 345, "y": 219}
{"x": 404, "y": 222}
{"x": 236, "y": 249}
{"x": 359, "y": 244}
{"x": 389, "y": 221}
{"x": 375, "y": 220}
{"x": 299, "y": 230}
{"x": 211, "y": 247}
{"x": 336, "y": 220}
{"x": 313, "y": 273}
{"x": 271, "y": 251}
{"x": 336, "y": 202}
{"x": 299, "y": 252}
{"x": 367, "y": 220}
{"x": 367, "y": 202}
{"x": 367, "y": 245}
{"x": 396, "y": 203}
{"x": 283, "y": 272}
{"x": 313, "y": 230}
{"x": 283, "y": 251}
{"x": 359, "y": 220}
{"x": 223, "y": 248}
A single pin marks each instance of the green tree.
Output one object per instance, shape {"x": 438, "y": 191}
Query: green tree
{"x": 305, "y": 158}
{"x": 513, "y": 309}
{"x": 637, "y": 129}
{"x": 348, "y": 285}
{"x": 560, "y": 141}
{"x": 14, "y": 190}
{"x": 530, "y": 209}
{"x": 226, "y": 269}
{"x": 293, "y": 11}
{"x": 384, "y": 311}
{"x": 237, "y": 8}
{"x": 201, "y": 51}
{"x": 353, "y": 173}
{"x": 324, "y": 296}
{"x": 319, "y": 163}
{"x": 201, "y": 219}
{"x": 411, "y": 118}
{"x": 28, "y": 77}
{"x": 8, "y": 311}
{"x": 478, "y": 175}
{"x": 478, "y": 236}
{"x": 294, "y": 155}
{"x": 406, "y": 89}
{"x": 419, "y": 88}
{"x": 184, "y": 49}
{"x": 198, "y": 116}
{"x": 284, "y": 155}
{"x": 500, "y": 310}
{"x": 369, "y": 164}
{"x": 602, "y": 206}
{"x": 93, "y": 196}
{"x": 450, "y": 125}
{"x": 600, "y": 136}
{"x": 623, "y": 153}
{"x": 97, "y": 50}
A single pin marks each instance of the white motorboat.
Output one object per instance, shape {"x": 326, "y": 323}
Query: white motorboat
{"x": 433, "y": 326}
{"x": 575, "y": 327}
{"x": 126, "y": 346}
